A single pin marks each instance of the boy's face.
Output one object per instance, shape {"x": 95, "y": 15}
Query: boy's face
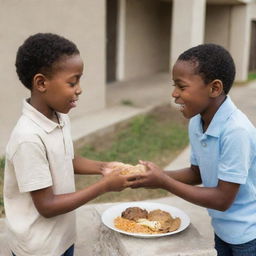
{"x": 190, "y": 91}
{"x": 63, "y": 87}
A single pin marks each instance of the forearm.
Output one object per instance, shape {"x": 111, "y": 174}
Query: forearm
{"x": 59, "y": 204}
{"x": 187, "y": 175}
{"x": 49, "y": 204}
{"x": 212, "y": 197}
{"x": 86, "y": 166}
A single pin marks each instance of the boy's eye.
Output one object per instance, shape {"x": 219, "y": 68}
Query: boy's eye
{"x": 72, "y": 83}
{"x": 179, "y": 86}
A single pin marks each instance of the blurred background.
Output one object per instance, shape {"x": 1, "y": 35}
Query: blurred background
{"x": 124, "y": 43}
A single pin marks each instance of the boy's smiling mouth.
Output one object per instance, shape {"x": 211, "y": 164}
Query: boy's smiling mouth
{"x": 73, "y": 103}
{"x": 180, "y": 106}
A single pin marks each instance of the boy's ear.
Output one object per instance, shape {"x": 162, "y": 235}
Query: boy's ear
{"x": 39, "y": 82}
{"x": 216, "y": 88}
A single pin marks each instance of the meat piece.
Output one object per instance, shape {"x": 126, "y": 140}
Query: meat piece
{"x": 134, "y": 213}
{"x": 158, "y": 215}
{"x": 173, "y": 225}
{"x": 167, "y": 222}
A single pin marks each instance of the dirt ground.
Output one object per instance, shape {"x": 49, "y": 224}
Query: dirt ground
{"x": 163, "y": 114}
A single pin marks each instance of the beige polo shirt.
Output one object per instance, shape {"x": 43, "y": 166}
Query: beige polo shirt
{"x": 39, "y": 154}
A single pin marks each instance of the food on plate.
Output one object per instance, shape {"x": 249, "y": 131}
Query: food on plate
{"x": 128, "y": 169}
{"x": 165, "y": 219}
{"x": 131, "y": 226}
{"x": 153, "y": 225}
{"x": 137, "y": 220}
{"x": 134, "y": 213}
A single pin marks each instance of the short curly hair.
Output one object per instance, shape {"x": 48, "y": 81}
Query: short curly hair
{"x": 212, "y": 62}
{"x": 38, "y": 53}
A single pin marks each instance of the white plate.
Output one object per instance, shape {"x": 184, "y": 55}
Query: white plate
{"x": 111, "y": 213}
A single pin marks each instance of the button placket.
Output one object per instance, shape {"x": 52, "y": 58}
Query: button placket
{"x": 203, "y": 143}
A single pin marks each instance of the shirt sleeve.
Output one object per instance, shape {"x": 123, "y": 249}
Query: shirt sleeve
{"x": 31, "y": 167}
{"x": 235, "y": 156}
{"x": 193, "y": 160}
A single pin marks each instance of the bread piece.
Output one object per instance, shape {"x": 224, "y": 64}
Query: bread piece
{"x": 128, "y": 169}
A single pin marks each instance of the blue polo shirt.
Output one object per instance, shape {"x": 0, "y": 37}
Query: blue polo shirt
{"x": 227, "y": 151}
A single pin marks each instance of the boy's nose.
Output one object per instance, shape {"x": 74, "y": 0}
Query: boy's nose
{"x": 78, "y": 90}
{"x": 175, "y": 93}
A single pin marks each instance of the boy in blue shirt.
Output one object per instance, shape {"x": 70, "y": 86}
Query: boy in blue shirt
{"x": 223, "y": 150}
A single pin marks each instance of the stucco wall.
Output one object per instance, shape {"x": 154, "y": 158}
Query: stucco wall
{"x": 229, "y": 26}
{"x": 147, "y": 37}
{"x": 81, "y": 21}
{"x": 217, "y": 24}
{"x": 240, "y": 39}
{"x": 253, "y": 10}
{"x": 188, "y": 23}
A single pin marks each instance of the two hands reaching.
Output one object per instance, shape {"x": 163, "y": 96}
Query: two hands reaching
{"x": 119, "y": 176}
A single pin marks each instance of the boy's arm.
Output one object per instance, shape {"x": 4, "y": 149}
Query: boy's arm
{"x": 49, "y": 205}
{"x": 219, "y": 197}
{"x": 190, "y": 175}
{"x": 83, "y": 165}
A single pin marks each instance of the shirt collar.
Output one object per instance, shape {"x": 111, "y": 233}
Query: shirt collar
{"x": 223, "y": 113}
{"x": 41, "y": 120}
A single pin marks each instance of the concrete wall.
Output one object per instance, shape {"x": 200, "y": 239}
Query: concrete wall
{"x": 229, "y": 26}
{"x": 217, "y": 24}
{"x": 147, "y": 37}
{"x": 188, "y": 23}
{"x": 253, "y": 11}
{"x": 72, "y": 19}
{"x": 81, "y": 21}
{"x": 240, "y": 39}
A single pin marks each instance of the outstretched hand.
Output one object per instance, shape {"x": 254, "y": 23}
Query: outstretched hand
{"x": 116, "y": 182}
{"x": 109, "y": 167}
{"x": 153, "y": 178}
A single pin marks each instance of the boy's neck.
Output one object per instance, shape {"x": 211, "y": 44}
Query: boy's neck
{"x": 207, "y": 118}
{"x": 50, "y": 114}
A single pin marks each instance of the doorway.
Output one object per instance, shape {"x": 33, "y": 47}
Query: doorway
{"x": 111, "y": 40}
{"x": 252, "y": 62}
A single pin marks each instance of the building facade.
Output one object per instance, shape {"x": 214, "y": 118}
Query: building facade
{"x": 121, "y": 40}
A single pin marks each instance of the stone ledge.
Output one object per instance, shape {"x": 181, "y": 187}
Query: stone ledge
{"x": 94, "y": 239}
{"x": 196, "y": 240}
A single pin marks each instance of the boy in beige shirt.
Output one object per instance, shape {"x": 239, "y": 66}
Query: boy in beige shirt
{"x": 39, "y": 189}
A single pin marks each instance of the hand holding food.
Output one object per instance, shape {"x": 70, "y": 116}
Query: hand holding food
{"x": 153, "y": 178}
{"x": 114, "y": 181}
